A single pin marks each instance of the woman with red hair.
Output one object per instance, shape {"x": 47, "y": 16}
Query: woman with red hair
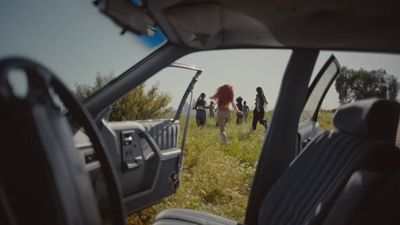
{"x": 224, "y": 96}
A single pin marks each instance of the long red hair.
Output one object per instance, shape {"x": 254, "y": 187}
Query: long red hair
{"x": 223, "y": 95}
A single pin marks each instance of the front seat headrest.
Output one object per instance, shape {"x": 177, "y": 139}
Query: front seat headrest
{"x": 373, "y": 118}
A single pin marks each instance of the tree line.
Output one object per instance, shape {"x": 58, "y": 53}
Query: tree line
{"x": 351, "y": 85}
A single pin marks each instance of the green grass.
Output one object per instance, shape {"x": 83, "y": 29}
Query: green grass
{"x": 325, "y": 120}
{"x": 216, "y": 177}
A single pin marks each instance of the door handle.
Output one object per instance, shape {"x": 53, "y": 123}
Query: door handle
{"x": 131, "y": 166}
{"x": 127, "y": 139}
{"x": 134, "y": 164}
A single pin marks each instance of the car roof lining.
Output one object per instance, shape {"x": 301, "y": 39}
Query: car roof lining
{"x": 328, "y": 24}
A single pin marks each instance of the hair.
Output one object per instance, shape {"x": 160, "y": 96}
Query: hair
{"x": 260, "y": 90}
{"x": 244, "y": 102}
{"x": 202, "y": 96}
{"x": 223, "y": 95}
{"x": 261, "y": 93}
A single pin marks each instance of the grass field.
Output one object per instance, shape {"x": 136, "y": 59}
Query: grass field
{"x": 216, "y": 177}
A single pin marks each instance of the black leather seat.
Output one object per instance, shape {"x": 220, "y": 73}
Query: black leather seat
{"x": 309, "y": 188}
{"x": 383, "y": 208}
{"x": 190, "y": 217}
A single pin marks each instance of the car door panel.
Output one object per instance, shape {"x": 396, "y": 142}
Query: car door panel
{"x": 146, "y": 154}
{"x": 164, "y": 133}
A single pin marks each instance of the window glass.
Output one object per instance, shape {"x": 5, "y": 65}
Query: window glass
{"x": 208, "y": 183}
{"x": 318, "y": 91}
{"x": 219, "y": 67}
{"x": 359, "y": 67}
{"x": 245, "y": 70}
{"x": 157, "y": 98}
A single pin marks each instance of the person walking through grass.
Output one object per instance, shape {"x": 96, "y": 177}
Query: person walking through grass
{"x": 224, "y": 96}
{"x": 212, "y": 109}
{"x": 259, "y": 112}
{"x": 239, "y": 105}
{"x": 245, "y": 111}
{"x": 200, "y": 108}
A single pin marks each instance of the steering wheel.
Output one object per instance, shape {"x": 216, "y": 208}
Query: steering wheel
{"x": 39, "y": 81}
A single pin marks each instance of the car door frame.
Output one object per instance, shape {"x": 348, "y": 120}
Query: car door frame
{"x": 309, "y": 129}
{"x": 278, "y": 149}
{"x": 331, "y": 59}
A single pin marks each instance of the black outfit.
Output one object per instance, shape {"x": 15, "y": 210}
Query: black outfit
{"x": 239, "y": 117}
{"x": 201, "y": 114}
{"x": 258, "y": 115}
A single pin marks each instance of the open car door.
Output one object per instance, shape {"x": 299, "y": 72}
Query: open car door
{"x": 308, "y": 127}
{"x": 147, "y": 154}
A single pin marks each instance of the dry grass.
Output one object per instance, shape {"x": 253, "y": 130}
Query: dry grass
{"x": 325, "y": 120}
{"x": 216, "y": 177}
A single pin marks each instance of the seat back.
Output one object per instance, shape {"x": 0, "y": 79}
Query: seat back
{"x": 358, "y": 193}
{"x": 383, "y": 208}
{"x": 364, "y": 140}
{"x": 42, "y": 177}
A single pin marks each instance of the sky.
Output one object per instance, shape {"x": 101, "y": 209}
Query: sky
{"x": 71, "y": 37}
{"x": 76, "y": 41}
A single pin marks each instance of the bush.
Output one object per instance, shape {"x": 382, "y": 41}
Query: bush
{"x": 138, "y": 104}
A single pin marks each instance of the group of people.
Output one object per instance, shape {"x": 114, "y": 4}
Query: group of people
{"x": 224, "y": 97}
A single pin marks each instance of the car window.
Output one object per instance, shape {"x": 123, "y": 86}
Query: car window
{"x": 157, "y": 98}
{"x": 72, "y": 38}
{"x": 207, "y": 180}
{"x": 244, "y": 69}
{"x": 360, "y": 72}
{"x": 318, "y": 90}
{"x": 219, "y": 67}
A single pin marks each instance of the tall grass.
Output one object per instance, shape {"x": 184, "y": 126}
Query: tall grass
{"x": 216, "y": 177}
{"x": 325, "y": 120}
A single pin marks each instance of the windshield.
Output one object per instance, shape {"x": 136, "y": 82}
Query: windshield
{"x": 72, "y": 38}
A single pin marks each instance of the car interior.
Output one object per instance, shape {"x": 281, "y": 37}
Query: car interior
{"x": 64, "y": 162}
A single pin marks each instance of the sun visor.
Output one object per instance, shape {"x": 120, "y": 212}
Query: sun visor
{"x": 130, "y": 17}
{"x": 198, "y": 25}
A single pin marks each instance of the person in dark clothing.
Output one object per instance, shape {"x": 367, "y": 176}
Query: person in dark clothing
{"x": 200, "y": 108}
{"x": 212, "y": 109}
{"x": 245, "y": 110}
{"x": 239, "y": 105}
{"x": 259, "y": 112}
